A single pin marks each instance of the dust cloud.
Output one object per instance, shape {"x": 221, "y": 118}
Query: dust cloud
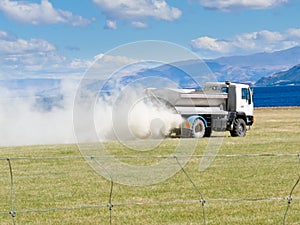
{"x": 34, "y": 120}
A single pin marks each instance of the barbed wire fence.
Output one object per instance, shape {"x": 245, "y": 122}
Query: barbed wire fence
{"x": 14, "y": 214}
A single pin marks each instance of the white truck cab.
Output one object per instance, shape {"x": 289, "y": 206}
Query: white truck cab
{"x": 240, "y": 100}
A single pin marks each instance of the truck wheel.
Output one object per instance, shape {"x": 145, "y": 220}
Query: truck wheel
{"x": 198, "y": 129}
{"x": 239, "y": 128}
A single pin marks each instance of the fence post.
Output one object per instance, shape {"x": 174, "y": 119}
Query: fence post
{"x": 12, "y": 193}
{"x": 109, "y": 204}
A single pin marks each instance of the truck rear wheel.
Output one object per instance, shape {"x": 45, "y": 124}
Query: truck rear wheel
{"x": 198, "y": 130}
{"x": 239, "y": 128}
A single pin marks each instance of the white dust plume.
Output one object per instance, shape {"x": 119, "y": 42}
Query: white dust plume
{"x": 27, "y": 121}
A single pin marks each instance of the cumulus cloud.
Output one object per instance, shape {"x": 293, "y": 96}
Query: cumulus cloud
{"x": 137, "y": 11}
{"x": 139, "y": 24}
{"x": 259, "y": 41}
{"x": 111, "y": 25}
{"x": 28, "y": 58}
{"x": 232, "y": 5}
{"x": 211, "y": 44}
{"x": 20, "y": 57}
{"x": 21, "y": 53}
{"x": 106, "y": 58}
{"x": 21, "y": 46}
{"x": 294, "y": 33}
{"x": 43, "y": 13}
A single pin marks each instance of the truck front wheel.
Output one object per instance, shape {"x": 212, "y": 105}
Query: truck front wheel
{"x": 239, "y": 128}
{"x": 198, "y": 130}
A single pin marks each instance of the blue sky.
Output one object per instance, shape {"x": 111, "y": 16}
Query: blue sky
{"x": 62, "y": 38}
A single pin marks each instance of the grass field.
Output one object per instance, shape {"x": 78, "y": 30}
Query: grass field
{"x": 247, "y": 183}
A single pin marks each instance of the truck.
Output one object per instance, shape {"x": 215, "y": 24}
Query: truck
{"x": 218, "y": 106}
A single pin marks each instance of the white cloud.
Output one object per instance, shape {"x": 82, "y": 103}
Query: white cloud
{"x": 112, "y": 25}
{"x": 43, "y": 13}
{"x": 231, "y": 5}
{"x": 21, "y": 46}
{"x": 139, "y": 24}
{"x": 111, "y": 63}
{"x": 210, "y": 44}
{"x": 137, "y": 11}
{"x": 294, "y": 33}
{"x": 79, "y": 63}
{"x": 3, "y": 34}
{"x": 114, "y": 58}
{"x": 247, "y": 43}
{"x": 15, "y": 49}
{"x": 21, "y": 57}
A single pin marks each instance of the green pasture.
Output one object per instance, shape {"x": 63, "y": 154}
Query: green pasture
{"x": 248, "y": 181}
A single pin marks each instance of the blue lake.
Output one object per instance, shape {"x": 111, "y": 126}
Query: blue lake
{"x": 276, "y": 96}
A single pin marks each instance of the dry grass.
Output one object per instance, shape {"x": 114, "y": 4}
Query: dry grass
{"x": 238, "y": 190}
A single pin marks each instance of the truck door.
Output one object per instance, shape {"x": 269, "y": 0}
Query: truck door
{"x": 244, "y": 101}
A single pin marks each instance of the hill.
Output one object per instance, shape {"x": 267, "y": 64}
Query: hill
{"x": 287, "y": 57}
{"x": 251, "y": 68}
{"x": 289, "y": 77}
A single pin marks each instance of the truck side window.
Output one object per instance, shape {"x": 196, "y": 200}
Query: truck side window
{"x": 245, "y": 93}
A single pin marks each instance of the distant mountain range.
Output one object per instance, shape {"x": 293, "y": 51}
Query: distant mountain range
{"x": 252, "y": 68}
{"x": 261, "y": 69}
{"x": 246, "y": 69}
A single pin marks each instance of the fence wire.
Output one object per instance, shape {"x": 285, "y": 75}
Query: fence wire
{"x": 110, "y": 205}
